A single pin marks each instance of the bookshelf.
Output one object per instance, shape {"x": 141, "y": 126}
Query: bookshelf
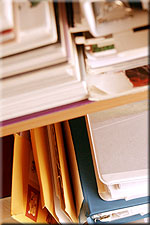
{"x": 58, "y": 114}
{"x": 65, "y": 112}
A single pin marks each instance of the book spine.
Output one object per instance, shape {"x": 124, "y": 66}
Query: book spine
{"x": 83, "y": 156}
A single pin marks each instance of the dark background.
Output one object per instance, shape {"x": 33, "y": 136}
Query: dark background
{"x": 6, "y": 159}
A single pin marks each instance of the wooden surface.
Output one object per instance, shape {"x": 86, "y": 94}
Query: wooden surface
{"x": 71, "y": 113}
{"x": 5, "y": 216}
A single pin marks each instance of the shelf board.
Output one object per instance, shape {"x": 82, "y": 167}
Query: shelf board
{"x": 66, "y": 112}
{"x": 5, "y": 217}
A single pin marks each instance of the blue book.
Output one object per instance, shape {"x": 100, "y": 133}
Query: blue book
{"x": 93, "y": 204}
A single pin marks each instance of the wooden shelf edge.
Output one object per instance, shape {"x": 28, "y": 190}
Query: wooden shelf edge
{"x": 72, "y": 113}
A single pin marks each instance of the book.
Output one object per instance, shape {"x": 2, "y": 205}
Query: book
{"x": 6, "y": 16}
{"x": 7, "y": 31}
{"x": 37, "y": 58}
{"x": 44, "y": 29}
{"x": 105, "y": 82}
{"x": 97, "y": 209}
{"x": 114, "y": 42}
{"x": 40, "y": 90}
{"x": 33, "y": 60}
{"x": 118, "y": 139}
{"x": 105, "y": 18}
{"x": 54, "y": 80}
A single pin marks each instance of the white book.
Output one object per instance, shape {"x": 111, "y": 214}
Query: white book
{"x": 112, "y": 81}
{"x": 126, "y": 46}
{"x": 40, "y": 57}
{"x": 6, "y": 15}
{"x": 33, "y": 60}
{"x": 40, "y": 90}
{"x": 128, "y": 49}
{"x": 130, "y": 190}
{"x": 46, "y": 88}
{"x": 119, "y": 145}
{"x": 107, "y": 17}
{"x": 38, "y": 30}
{"x": 122, "y": 213}
{"x": 104, "y": 72}
{"x": 117, "y": 59}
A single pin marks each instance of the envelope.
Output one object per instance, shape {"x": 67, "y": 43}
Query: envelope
{"x": 46, "y": 185}
{"x": 40, "y": 145}
{"x": 66, "y": 177}
{"x": 26, "y": 204}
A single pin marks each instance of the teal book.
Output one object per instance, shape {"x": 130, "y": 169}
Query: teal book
{"x": 93, "y": 204}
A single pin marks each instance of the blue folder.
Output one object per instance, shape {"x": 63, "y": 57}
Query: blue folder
{"x": 93, "y": 204}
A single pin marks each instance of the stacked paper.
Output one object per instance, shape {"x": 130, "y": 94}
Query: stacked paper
{"x": 40, "y": 67}
{"x": 114, "y": 36}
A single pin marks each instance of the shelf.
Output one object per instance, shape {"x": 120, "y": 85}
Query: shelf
{"x": 65, "y": 112}
{"x": 5, "y": 216}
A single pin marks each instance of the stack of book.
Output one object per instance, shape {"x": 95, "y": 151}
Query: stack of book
{"x": 92, "y": 169}
{"x": 39, "y": 63}
{"x": 114, "y": 38}
{"x": 112, "y": 146}
{"x": 112, "y": 153}
{"x": 67, "y": 52}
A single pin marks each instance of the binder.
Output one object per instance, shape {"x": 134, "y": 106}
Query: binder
{"x": 121, "y": 138}
{"x": 93, "y": 204}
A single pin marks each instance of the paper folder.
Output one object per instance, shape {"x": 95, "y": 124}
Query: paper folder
{"x": 59, "y": 182}
{"x": 46, "y": 185}
{"x": 96, "y": 208}
{"x": 39, "y": 140}
{"x": 26, "y": 204}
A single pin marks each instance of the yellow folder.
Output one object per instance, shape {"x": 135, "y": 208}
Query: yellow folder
{"x": 46, "y": 184}
{"x": 25, "y": 197}
{"x": 41, "y": 151}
